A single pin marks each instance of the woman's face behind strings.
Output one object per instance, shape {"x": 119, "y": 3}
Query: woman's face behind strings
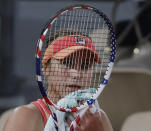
{"x": 68, "y": 75}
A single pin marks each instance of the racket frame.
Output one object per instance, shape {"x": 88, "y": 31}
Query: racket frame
{"x": 107, "y": 73}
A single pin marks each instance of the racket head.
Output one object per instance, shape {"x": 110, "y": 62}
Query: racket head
{"x": 93, "y": 32}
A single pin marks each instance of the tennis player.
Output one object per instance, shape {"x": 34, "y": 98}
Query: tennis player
{"x": 64, "y": 70}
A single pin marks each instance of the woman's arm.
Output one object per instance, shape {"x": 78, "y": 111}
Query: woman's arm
{"x": 106, "y": 122}
{"x": 24, "y": 118}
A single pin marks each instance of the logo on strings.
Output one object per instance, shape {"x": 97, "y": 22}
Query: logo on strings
{"x": 80, "y": 40}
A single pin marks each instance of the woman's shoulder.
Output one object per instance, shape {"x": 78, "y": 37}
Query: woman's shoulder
{"x": 26, "y": 109}
{"x": 25, "y": 117}
{"x": 26, "y": 112}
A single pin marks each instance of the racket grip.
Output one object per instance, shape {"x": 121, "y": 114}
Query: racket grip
{"x": 76, "y": 121}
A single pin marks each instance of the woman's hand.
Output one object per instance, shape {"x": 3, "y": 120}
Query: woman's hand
{"x": 89, "y": 122}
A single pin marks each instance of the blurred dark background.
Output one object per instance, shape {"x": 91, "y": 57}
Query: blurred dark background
{"x": 21, "y": 22}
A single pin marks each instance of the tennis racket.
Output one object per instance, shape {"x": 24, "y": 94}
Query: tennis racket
{"x": 75, "y": 55}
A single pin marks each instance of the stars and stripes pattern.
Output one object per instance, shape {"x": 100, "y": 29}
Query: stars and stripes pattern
{"x": 107, "y": 74}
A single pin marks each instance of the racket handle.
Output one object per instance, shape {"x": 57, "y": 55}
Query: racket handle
{"x": 54, "y": 116}
{"x": 76, "y": 121}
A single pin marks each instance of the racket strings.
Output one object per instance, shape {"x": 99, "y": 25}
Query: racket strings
{"x": 85, "y": 24}
{"x": 79, "y": 27}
